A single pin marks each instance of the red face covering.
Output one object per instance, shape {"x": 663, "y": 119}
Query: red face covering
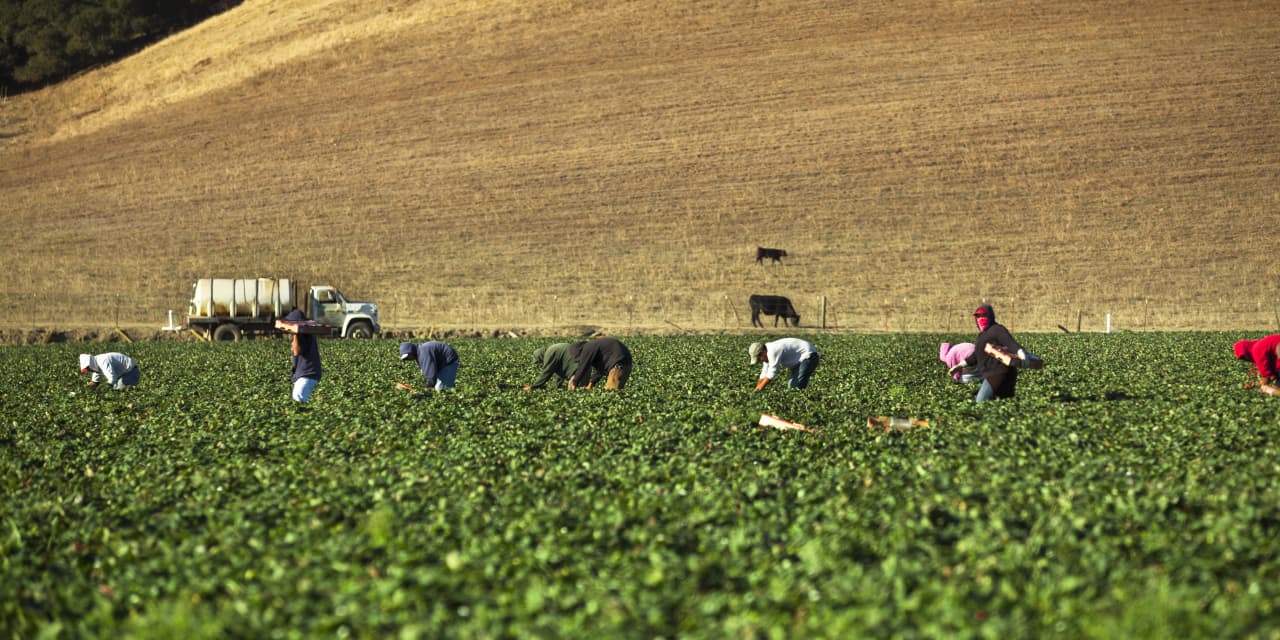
{"x": 983, "y": 322}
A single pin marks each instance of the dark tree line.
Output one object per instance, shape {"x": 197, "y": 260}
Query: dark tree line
{"x": 44, "y": 41}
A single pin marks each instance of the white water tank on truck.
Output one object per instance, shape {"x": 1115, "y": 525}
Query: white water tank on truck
{"x": 241, "y": 297}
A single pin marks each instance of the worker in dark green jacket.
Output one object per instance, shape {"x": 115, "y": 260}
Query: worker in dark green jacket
{"x": 555, "y": 360}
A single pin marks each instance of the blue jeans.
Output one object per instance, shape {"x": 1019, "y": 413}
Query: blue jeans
{"x": 447, "y": 377}
{"x": 998, "y": 386}
{"x": 800, "y": 374}
{"x": 129, "y": 378}
{"x": 302, "y": 388}
{"x": 987, "y": 392}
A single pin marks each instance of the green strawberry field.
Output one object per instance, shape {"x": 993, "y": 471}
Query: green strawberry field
{"x": 1132, "y": 489}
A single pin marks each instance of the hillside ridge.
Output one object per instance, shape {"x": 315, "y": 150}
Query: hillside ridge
{"x": 493, "y": 164}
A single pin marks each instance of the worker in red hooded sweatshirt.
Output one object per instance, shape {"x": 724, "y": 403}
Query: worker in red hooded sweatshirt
{"x": 997, "y": 357}
{"x": 1262, "y": 355}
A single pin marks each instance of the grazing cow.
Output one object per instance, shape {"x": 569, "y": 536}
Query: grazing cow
{"x": 776, "y": 254}
{"x": 776, "y": 306}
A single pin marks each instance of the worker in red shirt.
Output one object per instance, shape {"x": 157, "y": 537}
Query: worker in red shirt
{"x": 1262, "y": 355}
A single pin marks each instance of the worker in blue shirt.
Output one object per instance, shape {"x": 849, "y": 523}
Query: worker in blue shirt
{"x": 437, "y": 360}
{"x": 305, "y": 350}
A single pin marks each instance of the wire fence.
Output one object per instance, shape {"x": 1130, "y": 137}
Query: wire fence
{"x": 671, "y": 312}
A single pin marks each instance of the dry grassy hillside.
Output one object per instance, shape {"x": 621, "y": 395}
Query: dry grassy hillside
{"x": 499, "y": 163}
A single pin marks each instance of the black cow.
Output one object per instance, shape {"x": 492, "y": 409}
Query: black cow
{"x": 776, "y": 254}
{"x": 776, "y": 306}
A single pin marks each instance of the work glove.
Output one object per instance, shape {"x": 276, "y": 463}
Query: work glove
{"x": 1029, "y": 360}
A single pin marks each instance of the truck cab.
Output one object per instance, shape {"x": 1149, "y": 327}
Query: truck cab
{"x": 350, "y": 319}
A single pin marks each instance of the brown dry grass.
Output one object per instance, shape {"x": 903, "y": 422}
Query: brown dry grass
{"x": 493, "y": 163}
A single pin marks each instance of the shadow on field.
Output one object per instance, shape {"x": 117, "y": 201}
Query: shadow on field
{"x": 1107, "y": 396}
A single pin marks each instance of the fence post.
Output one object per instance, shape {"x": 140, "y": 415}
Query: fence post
{"x": 737, "y": 320}
{"x": 824, "y": 311}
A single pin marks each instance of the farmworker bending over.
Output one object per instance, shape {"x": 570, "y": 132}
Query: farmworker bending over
{"x": 959, "y": 360}
{"x": 998, "y": 357}
{"x": 305, "y": 351}
{"x": 437, "y": 360}
{"x": 598, "y": 358}
{"x": 117, "y": 369}
{"x": 555, "y": 360}
{"x": 790, "y": 353}
{"x": 1262, "y": 355}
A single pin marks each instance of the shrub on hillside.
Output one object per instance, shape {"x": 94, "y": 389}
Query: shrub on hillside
{"x": 44, "y": 41}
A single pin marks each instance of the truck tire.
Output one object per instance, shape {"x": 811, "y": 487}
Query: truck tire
{"x": 226, "y": 332}
{"x": 360, "y": 330}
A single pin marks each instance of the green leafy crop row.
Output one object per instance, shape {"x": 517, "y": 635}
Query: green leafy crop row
{"x": 1129, "y": 491}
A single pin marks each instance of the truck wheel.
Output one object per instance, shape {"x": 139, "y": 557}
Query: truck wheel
{"x": 360, "y": 330}
{"x": 226, "y": 332}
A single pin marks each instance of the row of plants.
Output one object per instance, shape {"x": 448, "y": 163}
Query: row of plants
{"x": 1128, "y": 491}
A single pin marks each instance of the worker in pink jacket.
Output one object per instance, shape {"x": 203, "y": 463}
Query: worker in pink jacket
{"x": 1262, "y": 354}
{"x": 959, "y": 361}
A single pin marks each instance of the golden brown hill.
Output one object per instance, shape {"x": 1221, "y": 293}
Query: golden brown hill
{"x": 513, "y": 164}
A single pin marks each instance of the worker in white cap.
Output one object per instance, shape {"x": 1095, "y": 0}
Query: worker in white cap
{"x": 786, "y": 353}
{"x": 116, "y": 369}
